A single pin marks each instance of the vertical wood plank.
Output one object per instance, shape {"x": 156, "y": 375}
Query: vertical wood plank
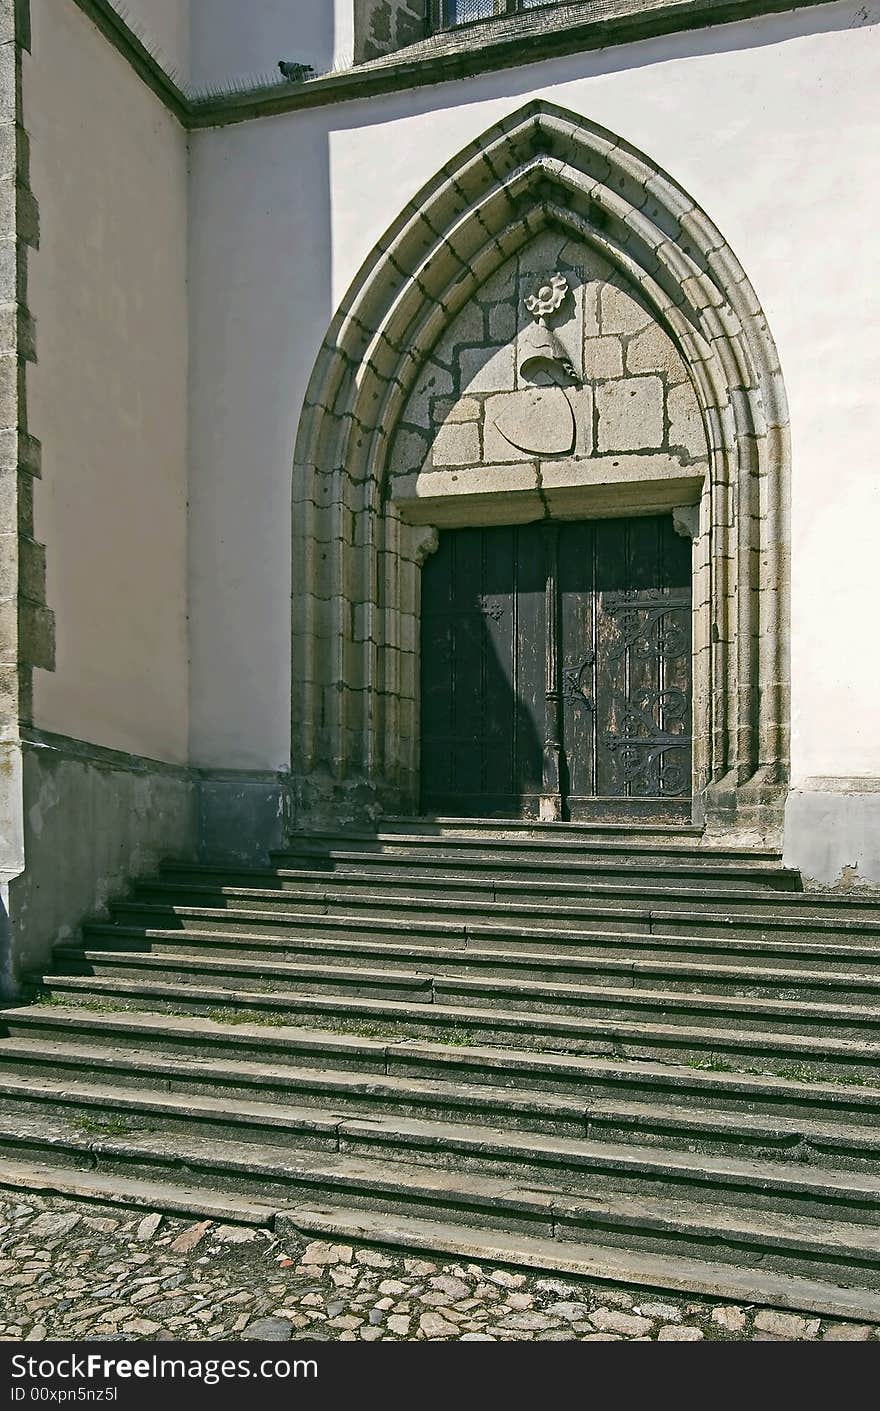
{"x": 530, "y": 640}
{"x": 556, "y": 669}
{"x": 577, "y": 546}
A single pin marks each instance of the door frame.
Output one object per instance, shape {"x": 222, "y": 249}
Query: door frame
{"x": 355, "y": 562}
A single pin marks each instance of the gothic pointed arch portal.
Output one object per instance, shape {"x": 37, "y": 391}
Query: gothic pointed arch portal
{"x": 370, "y": 485}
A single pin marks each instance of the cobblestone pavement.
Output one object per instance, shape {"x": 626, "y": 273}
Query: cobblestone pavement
{"x": 71, "y": 1270}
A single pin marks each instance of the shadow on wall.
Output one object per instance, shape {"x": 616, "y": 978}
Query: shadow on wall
{"x": 261, "y": 237}
{"x": 483, "y": 674}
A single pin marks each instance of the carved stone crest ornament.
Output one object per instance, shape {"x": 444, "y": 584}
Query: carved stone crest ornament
{"x": 549, "y": 298}
{"x": 539, "y": 420}
{"x": 541, "y": 351}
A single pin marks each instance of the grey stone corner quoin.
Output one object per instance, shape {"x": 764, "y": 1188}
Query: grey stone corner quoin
{"x": 356, "y": 561}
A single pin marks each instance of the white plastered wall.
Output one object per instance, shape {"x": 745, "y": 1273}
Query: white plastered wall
{"x": 231, "y": 40}
{"x": 164, "y": 26}
{"x": 107, "y": 397}
{"x": 772, "y": 125}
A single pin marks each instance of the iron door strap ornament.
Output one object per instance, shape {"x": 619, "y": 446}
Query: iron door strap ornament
{"x": 653, "y": 725}
{"x": 574, "y": 687}
{"x": 636, "y": 761}
{"x": 650, "y": 748}
{"x": 649, "y": 625}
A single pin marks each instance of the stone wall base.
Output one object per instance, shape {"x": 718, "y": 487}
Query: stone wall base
{"x": 832, "y": 832}
{"x": 749, "y": 814}
{"x": 93, "y": 818}
{"x": 241, "y": 816}
{"x": 318, "y": 802}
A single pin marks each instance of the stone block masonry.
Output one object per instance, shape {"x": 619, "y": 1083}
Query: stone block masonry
{"x": 476, "y": 409}
{"x": 383, "y": 26}
{"x": 28, "y": 631}
{"x": 137, "y": 810}
{"x": 27, "y": 637}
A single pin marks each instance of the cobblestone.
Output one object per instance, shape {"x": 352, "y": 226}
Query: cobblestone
{"x": 73, "y": 1271}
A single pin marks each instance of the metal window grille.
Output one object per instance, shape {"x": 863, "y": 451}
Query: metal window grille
{"x": 449, "y": 14}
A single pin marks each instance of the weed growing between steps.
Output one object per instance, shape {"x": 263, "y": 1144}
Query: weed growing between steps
{"x": 799, "y": 1073}
{"x": 271, "y": 1019}
{"x": 111, "y": 1127}
{"x": 357, "y": 1028}
{"x": 48, "y": 1000}
{"x": 268, "y": 1018}
{"x": 452, "y": 1038}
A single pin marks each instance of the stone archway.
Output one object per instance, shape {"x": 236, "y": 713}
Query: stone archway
{"x": 358, "y": 546}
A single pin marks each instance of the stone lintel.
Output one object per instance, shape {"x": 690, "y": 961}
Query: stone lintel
{"x": 568, "y": 489}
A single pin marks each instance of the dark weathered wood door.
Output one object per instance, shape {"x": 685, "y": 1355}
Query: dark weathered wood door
{"x": 556, "y": 671}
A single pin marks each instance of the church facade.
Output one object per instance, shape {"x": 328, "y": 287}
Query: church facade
{"x": 478, "y": 419}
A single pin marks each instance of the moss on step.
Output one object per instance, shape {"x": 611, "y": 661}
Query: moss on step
{"x": 269, "y": 1018}
{"x": 111, "y": 1127}
{"x": 795, "y": 1073}
{"x": 799, "y": 1073}
{"x": 453, "y": 1037}
{"x": 47, "y": 999}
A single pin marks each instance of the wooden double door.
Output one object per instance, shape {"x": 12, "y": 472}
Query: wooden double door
{"x": 556, "y": 671}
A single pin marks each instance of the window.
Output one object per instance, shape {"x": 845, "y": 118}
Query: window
{"x": 461, "y": 12}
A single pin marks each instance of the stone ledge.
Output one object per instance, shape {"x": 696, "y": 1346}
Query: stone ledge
{"x": 89, "y": 752}
{"x": 452, "y": 55}
{"x": 500, "y": 46}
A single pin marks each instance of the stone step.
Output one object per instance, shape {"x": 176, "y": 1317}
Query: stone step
{"x": 195, "y": 1039}
{"x": 531, "y": 845}
{"x": 606, "y": 1116}
{"x": 616, "y": 1040}
{"x": 299, "y": 910}
{"x": 439, "y": 897}
{"x": 568, "y": 1257}
{"x": 547, "y": 869}
{"x": 533, "y": 830}
{"x": 423, "y": 880}
{"x": 38, "y": 1178}
{"x": 666, "y": 1273}
{"x": 656, "y": 969}
{"x": 571, "y": 1163}
{"x": 769, "y": 1045}
{"x": 577, "y": 1162}
{"x": 652, "y": 1203}
{"x": 855, "y": 957}
{"x": 431, "y": 986}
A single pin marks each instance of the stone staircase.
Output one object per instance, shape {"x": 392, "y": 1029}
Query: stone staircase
{"x": 603, "y": 1050}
